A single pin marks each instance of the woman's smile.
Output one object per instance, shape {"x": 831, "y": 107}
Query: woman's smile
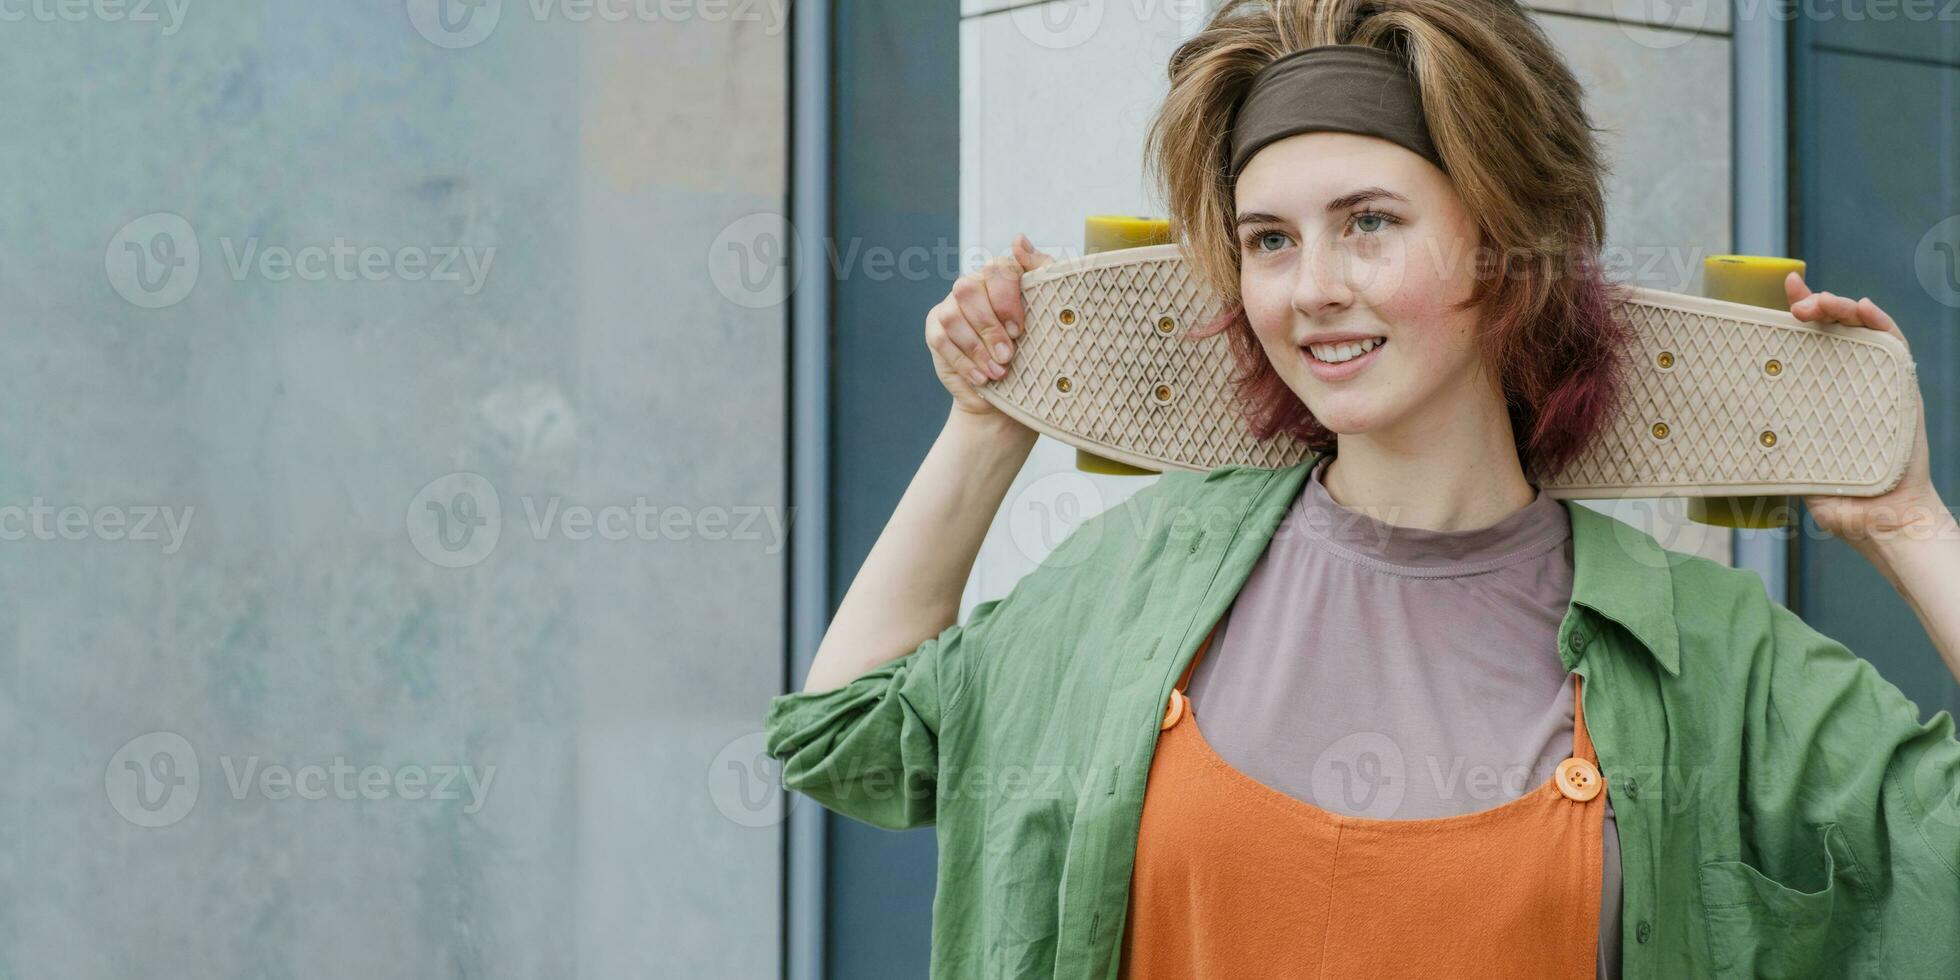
{"x": 1338, "y": 369}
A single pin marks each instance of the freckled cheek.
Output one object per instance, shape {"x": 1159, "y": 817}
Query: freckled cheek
{"x": 1418, "y": 311}
{"x": 1267, "y": 309}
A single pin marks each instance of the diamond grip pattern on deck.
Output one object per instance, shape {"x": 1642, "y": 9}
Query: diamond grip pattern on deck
{"x": 1842, "y": 406}
{"x": 1834, "y": 407}
{"x": 1114, "y": 358}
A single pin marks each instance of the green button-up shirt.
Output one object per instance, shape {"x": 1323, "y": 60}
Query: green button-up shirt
{"x": 1782, "y": 810}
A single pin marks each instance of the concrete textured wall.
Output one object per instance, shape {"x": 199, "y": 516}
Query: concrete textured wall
{"x": 1042, "y": 164}
{"x": 236, "y": 246}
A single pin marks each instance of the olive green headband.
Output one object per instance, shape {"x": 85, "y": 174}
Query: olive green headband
{"x": 1348, "y": 88}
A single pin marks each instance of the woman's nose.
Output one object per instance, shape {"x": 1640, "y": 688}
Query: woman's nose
{"x": 1321, "y": 279}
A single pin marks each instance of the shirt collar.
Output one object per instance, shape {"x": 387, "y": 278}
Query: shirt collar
{"x": 1619, "y": 572}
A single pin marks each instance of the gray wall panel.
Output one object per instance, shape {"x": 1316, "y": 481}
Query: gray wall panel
{"x": 310, "y": 615}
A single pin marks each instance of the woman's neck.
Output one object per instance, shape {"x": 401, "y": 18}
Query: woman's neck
{"x": 1465, "y": 476}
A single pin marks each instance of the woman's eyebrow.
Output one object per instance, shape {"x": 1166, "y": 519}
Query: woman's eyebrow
{"x": 1363, "y": 195}
{"x": 1341, "y": 203}
{"x": 1250, "y": 217}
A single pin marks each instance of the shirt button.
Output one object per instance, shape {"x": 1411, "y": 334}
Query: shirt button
{"x": 1577, "y": 641}
{"x": 1174, "y": 711}
{"x": 1577, "y": 779}
{"x": 1642, "y": 931}
{"x": 1632, "y": 789}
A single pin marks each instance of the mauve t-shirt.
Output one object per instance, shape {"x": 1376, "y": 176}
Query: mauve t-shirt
{"x": 1402, "y": 673}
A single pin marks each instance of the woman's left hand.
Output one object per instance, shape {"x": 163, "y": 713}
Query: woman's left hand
{"x": 1866, "y": 523}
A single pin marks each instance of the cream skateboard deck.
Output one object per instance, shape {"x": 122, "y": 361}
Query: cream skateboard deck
{"x": 1720, "y": 398}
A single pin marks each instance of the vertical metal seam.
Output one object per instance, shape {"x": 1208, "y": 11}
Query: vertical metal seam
{"x": 807, "y": 456}
{"x": 1760, "y": 210}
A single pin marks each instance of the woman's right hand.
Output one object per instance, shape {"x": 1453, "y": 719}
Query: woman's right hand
{"x": 971, "y": 332}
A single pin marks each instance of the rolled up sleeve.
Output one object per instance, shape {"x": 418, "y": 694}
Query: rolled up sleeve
{"x": 1858, "y": 748}
{"x": 870, "y": 749}
{"x": 1847, "y": 747}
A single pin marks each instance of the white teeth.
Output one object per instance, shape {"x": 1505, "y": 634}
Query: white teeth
{"x": 1336, "y": 353}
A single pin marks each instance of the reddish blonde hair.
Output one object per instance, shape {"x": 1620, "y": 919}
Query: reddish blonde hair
{"x": 1508, "y": 119}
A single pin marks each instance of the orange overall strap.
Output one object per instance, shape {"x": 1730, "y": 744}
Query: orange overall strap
{"x": 1582, "y": 746}
{"x": 1200, "y": 655}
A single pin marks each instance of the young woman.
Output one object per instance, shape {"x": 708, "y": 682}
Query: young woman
{"x": 1403, "y": 715}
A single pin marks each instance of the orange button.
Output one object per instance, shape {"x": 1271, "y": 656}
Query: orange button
{"x": 1174, "y": 711}
{"x": 1578, "y": 779}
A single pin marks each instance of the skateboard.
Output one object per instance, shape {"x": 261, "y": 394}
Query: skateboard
{"x": 1721, "y": 399}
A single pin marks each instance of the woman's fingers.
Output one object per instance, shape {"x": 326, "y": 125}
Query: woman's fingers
{"x": 989, "y": 349}
{"x": 1828, "y": 307}
{"x": 1003, "y": 276}
{"x": 1822, "y": 306}
{"x": 971, "y": 332}
{"x": 1806, "y": 305}
{"x": 949, "y": 335}
{"x": 1028, "y": 256}
{"x": 1876, "y": 318}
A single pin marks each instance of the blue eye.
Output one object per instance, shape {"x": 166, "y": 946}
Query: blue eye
{"x": 1266, "y": 241}
{"x": 1384, "y": 219}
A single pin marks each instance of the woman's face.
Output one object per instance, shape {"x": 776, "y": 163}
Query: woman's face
{"x": 1344, "y": 236}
